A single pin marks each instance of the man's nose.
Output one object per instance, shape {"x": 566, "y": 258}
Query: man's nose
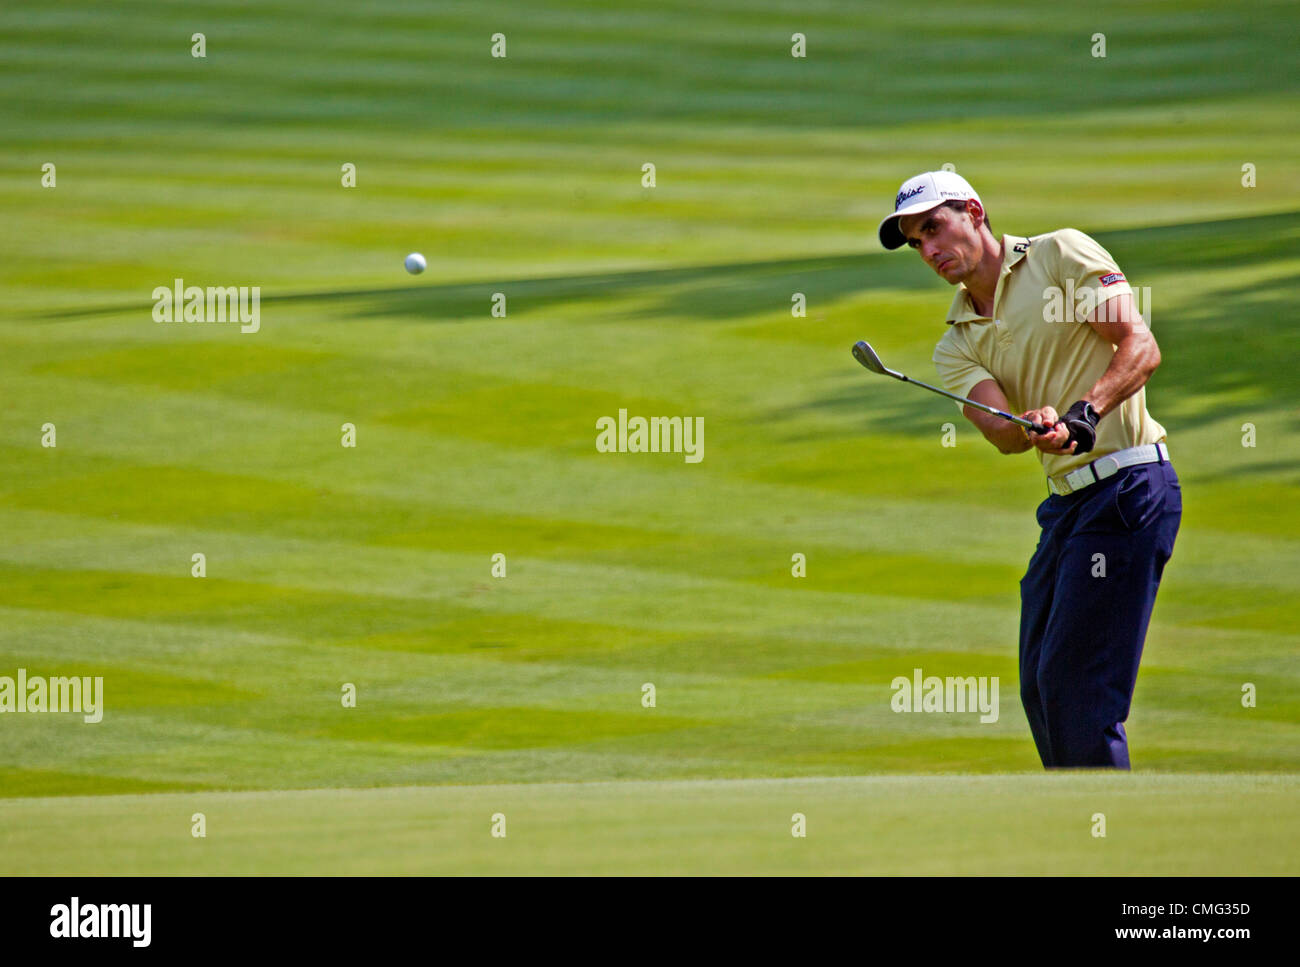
{"x": 928, "y": 251}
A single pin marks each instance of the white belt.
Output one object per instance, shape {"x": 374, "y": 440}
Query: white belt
{"x": 1108, "y": 466}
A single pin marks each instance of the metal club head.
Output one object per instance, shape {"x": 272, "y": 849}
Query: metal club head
{"x": 864, "y": 354}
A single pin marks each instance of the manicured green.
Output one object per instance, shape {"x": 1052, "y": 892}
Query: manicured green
{"x": 959, "y": 824}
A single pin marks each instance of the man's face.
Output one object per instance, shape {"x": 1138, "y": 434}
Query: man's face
{"x": 947, "y": 240}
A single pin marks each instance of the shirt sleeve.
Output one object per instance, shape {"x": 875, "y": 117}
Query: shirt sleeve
{"x": 959, "y": 372}
{"x": 1089, "y": 269}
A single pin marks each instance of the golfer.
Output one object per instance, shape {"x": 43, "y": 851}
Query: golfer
{"x": 1046, "y": 327}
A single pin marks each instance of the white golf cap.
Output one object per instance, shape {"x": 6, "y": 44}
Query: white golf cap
{"x": 920, "y": 193}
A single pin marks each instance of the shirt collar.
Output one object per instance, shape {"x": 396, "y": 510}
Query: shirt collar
{"x": 1014, "y": 248}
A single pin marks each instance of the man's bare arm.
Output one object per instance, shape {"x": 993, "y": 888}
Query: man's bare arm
{"x": 1136, "y": 353}
{"x": 1003, "y": 434}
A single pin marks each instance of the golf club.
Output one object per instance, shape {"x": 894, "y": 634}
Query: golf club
{"x": 864, "y": 354}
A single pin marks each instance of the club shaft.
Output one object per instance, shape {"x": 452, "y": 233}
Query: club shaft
{"x": 1028, "y": 425}
{"x": 868, "y": 357}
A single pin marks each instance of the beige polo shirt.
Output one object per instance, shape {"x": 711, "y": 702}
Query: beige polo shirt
{"x": 1037, "y": 360}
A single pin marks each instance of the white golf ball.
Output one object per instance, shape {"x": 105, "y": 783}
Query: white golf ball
{"x": 415, "y": 263}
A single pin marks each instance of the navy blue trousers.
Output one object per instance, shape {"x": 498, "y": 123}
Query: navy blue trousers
{"x": 1086, "y": 602}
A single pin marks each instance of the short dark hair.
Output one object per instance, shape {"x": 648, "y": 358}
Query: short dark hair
{"x": 960, "y": 206}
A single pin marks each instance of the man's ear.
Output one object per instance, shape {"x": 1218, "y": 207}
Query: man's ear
{"x": 976, "y": 212}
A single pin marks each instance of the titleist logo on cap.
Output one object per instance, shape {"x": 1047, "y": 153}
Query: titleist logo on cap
{"x": 904, "y": 195}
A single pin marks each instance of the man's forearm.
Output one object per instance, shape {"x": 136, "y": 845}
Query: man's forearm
{"x": 1008, "y": 437}
{"x": 1135, "y": 359}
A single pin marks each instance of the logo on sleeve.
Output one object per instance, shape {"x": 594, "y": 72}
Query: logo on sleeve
{"x": 1113, "y": 278}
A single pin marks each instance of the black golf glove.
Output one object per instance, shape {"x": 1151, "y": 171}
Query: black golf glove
{"x": 1081, "y": 420}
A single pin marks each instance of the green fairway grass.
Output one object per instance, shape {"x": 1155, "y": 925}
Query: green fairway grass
{"x": 475, "y": 435}
{"x": 937, "y": 825}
